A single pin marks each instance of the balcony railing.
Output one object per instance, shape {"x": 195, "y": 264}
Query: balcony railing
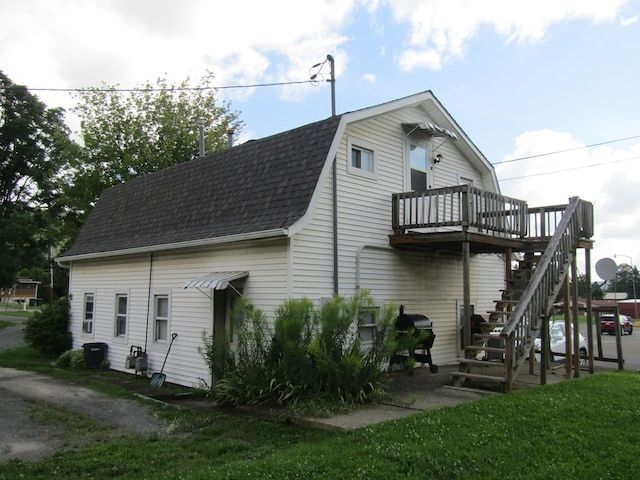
{"x": 460, "y": 206}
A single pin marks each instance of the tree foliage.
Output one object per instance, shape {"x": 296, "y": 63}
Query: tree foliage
{"x": 47, "y": 331}
{"x": 625, "y": 279}
{"x": 130, "y": 134}
{"x": 34, "y": 150}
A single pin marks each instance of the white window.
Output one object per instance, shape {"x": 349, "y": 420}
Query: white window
{"x": 362, "y": 158}
{"x": 367, "y": 324}
{"x": 160, "y": 318}
{"x": 122, "y": 301}
{"x": 87, "y": 317}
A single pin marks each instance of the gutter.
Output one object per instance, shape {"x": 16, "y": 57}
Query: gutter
{"x": 267, "y": 234}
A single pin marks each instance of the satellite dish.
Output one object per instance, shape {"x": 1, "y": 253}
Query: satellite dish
{"x": 606, "y": 268}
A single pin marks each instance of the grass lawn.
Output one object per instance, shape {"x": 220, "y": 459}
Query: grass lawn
{"x": 581, "y": 428}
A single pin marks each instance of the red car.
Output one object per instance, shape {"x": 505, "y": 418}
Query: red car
{"x": 607, "y": 324}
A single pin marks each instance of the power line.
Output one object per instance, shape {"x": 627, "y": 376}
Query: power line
{"x": 564, "y": 151}
{"x": 568, "y": 169}
{"x": 223, "y": 87}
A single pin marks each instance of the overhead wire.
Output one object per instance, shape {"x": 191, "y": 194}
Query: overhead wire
{"x": 113, "y": 89}
{"x": 569, "y": 169}
{"x": 564, "y": 151}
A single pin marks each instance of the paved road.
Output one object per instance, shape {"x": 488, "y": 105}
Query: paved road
{"x": 630, "y": 348}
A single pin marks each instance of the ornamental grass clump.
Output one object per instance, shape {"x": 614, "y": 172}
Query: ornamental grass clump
{"x": 309, "y": 356}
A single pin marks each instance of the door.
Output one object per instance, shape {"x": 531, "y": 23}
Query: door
{"x": 419, "y": 177}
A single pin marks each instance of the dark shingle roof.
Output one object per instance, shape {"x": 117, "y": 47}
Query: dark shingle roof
{"x": 257, "y": 186}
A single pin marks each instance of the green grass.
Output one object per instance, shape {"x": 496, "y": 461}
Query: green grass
{"x": 5, "y": 324}
{"x": 17, "y": 313}
{"x": 581, "y": 428}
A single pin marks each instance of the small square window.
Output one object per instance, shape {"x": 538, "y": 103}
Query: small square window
{"x": 361, "y": 158}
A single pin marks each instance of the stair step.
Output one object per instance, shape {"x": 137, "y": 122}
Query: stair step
{"x": 499, "y": 312}
{"x": 477, "y": 348}
{"x": 486, "y": 336}
{"x": 478, "y": 376}
{"x": 506, "y": 301}
{"x": 511, "y": 292}
{"x": 479, "y": 363}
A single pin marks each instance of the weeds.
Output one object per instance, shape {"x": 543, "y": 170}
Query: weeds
{"x": 312, "y": 358}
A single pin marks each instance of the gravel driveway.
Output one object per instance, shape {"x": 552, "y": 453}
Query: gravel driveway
{"x": 36, "y": 410}
{"x": 40, "y": 415}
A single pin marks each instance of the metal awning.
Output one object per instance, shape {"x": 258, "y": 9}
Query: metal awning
{"x": 431, "y": 129}
{"x": 216, "y": 280}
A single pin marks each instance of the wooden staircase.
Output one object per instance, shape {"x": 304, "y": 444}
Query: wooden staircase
{"x": 502, "y": 346}
{"x": 484, "y": 359}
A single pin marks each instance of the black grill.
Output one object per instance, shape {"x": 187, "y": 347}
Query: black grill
{"x": 420, "y": 327}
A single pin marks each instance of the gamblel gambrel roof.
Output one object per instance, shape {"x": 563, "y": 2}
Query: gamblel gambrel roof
{"x": 258, "y": 186}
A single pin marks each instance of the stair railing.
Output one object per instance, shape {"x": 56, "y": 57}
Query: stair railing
{"x": 537, "y": 299}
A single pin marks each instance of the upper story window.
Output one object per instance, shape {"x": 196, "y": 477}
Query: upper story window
{"x": 120, "y": 328}
{"x": 87, "y": 316}
{"x": 362, "y": 158}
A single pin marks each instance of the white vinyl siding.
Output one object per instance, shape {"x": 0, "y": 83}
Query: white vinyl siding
{"x": 190, "y": 311}
{"x": 425, "y": 283}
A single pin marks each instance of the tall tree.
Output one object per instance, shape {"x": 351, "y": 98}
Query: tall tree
{"x": 596, "y": 289}
{"x": 34, "y": 146}
{"x": 626, "y": 277}
{"x": 129, "y": 134}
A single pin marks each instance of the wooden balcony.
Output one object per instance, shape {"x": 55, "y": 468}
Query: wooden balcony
{"x": 445, "y": 218}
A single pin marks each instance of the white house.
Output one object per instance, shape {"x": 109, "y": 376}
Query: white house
{"x": 306, "y": 213}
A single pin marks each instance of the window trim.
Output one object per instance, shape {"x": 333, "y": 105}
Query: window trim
{"x": 84, "y": 332}
{"x": 155, "y": 297}
{"x": 362, "y": 145}
{"x": 367, "y": 323}
{"x": 116, "y": 314}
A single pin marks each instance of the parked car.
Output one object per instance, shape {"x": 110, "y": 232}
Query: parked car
{"x": 607, "y": 324}
{"x": 558, "y": 340}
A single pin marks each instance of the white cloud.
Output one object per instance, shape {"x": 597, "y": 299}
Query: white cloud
{"x": 441, "y": 29}
{"x": 370, "y": 78}
{"x": 600, "y": 175}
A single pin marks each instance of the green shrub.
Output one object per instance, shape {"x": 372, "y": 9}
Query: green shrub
{"x": 72, "y": 359}
{"x": 311, "y": 357}
{"x": 47, "y": 331}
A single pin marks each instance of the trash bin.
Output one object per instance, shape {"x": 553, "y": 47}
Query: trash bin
{"x": 94, "y": 353}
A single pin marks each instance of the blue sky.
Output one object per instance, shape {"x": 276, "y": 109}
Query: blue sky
{"x": 521, "y": 77}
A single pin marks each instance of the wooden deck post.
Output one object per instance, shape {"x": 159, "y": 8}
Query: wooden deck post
{"x": 466, "y": 290}
{"x": 587, "y": 266}
{"x": 574, "y": 312}
{"x": 567, "y": 328}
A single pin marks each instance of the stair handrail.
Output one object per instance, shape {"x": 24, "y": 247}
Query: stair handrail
{"x": 576, "y": 222}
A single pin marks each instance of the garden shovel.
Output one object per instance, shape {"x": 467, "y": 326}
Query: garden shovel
{"x": 157, "y": 379}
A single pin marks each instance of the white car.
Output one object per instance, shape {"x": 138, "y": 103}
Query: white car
{"x": 558, "y": 341}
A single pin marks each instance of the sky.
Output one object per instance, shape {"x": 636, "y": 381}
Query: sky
{"x": 553, "y": 80}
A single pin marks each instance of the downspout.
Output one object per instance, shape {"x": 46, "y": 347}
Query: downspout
{"x": 335, "y": 228}
{"x": 335, "y": 182}
{"x": 146, "y": 330}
